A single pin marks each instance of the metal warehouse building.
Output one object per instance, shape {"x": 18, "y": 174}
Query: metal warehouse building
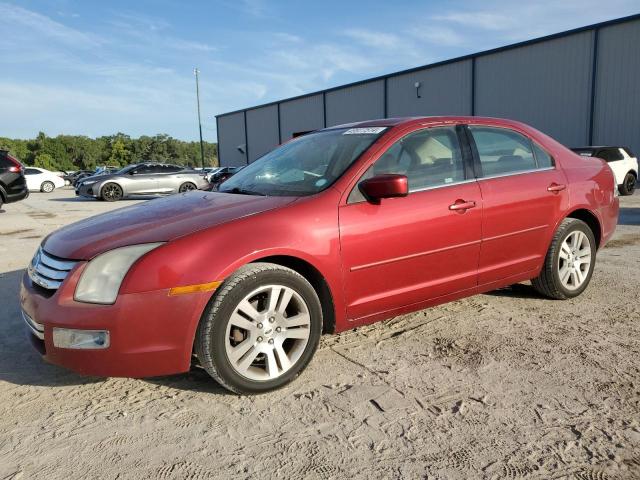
{"x": 581, "y": 87}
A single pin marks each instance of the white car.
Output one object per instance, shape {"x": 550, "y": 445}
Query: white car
{"x": 42, "y": 180}
{"x": 622, "y": 162}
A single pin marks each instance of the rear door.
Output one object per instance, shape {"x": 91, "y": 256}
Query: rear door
{"x": 523, "y": 195}
{"x": 409, "y": 250}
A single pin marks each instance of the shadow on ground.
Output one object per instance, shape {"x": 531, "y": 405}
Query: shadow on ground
{"x": 629, "y": 216}
{"x": 21, "y": 364}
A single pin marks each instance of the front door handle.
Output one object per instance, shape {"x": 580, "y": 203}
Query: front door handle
{"x": 462, "y": 205}
{"x": 555, "y": 187}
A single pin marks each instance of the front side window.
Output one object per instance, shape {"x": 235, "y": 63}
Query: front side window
{"x": 429, "y": 158}
{"x": 504, "y": 151}
{"x": 305, "y": 165}
{"x": 31, "y": 171}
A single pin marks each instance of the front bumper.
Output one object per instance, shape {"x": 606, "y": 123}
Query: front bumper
{"x": 90, "y": 191}
{"x": 151, "y": 333}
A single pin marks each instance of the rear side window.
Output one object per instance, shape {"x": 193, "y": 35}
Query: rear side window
{"x": 32, "y": 171}
{"x": 503, "y": 151}
{"x": 609, "y": 154}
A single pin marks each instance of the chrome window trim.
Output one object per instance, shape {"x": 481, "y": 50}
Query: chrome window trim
{"x": 511, "y": 174}
{"x": 452, "y": 184}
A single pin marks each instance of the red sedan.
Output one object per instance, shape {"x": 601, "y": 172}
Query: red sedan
{"x": 339, "y": 228}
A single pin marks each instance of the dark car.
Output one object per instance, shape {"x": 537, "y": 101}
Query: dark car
{"x": 72, "y": 178}
{"x": 222, "y": 174}
{"x": 13, "y": 186}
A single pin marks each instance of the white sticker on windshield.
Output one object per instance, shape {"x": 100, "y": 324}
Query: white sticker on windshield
{"x": 321, "y": 182}
{"x": 364, "y": 130}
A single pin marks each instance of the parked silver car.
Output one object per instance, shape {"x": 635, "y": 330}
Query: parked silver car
{"x": 141, "y": 179}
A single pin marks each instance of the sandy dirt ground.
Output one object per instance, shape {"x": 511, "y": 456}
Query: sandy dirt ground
{"x": 504, "y": 385}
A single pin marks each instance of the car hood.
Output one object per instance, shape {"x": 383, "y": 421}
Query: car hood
{"x": 158, "y": 220}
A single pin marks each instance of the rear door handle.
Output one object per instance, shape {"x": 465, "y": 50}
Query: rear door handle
{"x": 462, "y": 205}
{"x": 555, "y": 188}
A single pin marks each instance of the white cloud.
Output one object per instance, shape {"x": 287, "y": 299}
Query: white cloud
{"x": 375, "y": 39}
{"x": 12, "y": 16}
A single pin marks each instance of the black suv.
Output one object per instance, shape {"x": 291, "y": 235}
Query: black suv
{"x": 13, "y": 186}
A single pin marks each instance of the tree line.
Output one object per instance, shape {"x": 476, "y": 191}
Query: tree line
{"x": 76, "y": 152}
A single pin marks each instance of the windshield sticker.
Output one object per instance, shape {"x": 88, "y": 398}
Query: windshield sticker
{"x": 364, "y": 130}
{"x": 321, "y": 182}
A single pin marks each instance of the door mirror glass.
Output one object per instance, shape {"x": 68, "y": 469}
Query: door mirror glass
{"x": 387, "y": 185}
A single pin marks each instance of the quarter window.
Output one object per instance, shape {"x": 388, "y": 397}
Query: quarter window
{"x": 429, "y": 158}
{"x": 543, "y": 159}
{"x": 503, "y": 151}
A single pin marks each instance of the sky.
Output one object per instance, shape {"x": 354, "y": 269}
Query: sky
{"x": 85, "y": 67}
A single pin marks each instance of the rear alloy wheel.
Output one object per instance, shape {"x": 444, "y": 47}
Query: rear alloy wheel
{"x": 187, "y": 187}
{"x": 569, "y": 262}
{"x": 260, "y": 330}
{"x": 112, "y": 192}
{"x": 628, "y": 185}
{"x": 47, "y": 187}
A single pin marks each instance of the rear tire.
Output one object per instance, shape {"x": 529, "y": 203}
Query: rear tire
{"x": 569, "y": 263}
{"x": 47, "y": 187}
{"x": 628, "y": 184}
{"x": 111, "y": 192}
{"x": 260, "y": 329}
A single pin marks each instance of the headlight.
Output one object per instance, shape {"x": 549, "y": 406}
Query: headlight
{"x": 102, "y": 277}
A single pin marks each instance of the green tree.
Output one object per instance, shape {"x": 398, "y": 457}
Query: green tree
{"x": 44, "y": 160}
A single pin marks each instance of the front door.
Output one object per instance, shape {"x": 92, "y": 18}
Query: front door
{"x": 408, "y": 250}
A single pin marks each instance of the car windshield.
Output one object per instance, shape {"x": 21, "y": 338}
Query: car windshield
{"x": 304, "y": 166}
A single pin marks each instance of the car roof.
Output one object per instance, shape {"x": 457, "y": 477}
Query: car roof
{"x": 397, "y": 121}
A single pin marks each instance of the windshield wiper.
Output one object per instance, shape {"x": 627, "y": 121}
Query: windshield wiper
{"x": 244, "y": 191}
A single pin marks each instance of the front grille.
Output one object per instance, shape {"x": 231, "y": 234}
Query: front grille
{"x": 36, "y": 328}
{"x": 48, "y": 271}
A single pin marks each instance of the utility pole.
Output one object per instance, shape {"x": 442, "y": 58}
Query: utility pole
{"x": 196, "y": 72}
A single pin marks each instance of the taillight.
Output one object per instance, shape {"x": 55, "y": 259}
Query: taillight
{"x": 17, "y": 167}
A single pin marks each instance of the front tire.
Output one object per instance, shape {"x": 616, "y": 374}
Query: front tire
{"x": 111, "y": 192}
{"x": 569, "y": 263}
{"x": 187, "y": 187}
{"x": 47, "y": 187}
{"x": 260, "y": 330}
{"x": 628, "y": 184}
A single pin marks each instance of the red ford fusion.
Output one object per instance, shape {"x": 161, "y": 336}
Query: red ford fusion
{"x": 335, "y": 229}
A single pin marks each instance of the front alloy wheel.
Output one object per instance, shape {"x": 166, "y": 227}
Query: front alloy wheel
{"x": 260, "y": 330}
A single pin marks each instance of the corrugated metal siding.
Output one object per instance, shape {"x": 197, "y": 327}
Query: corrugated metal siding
{"x": 617, "y": 107}
{"x": 546, "y": 85}
{"x": 230, "y": 137}
{"x": 354, "y": 104}
{"x": 301, "y": 115}
{"x": 444, "y": 90}
{"x": 262, "y": 131}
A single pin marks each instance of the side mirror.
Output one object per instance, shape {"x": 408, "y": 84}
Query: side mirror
{"x": 387, "y": 185}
